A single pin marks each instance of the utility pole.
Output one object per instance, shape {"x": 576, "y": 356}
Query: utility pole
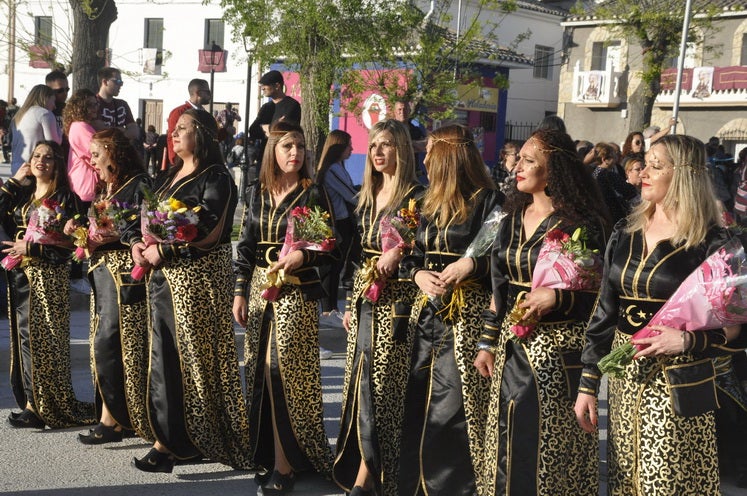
{"x": 11, "y": 48}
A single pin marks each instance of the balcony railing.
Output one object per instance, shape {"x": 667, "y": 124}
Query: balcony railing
{"x": 596, "y": 88}
{"x": 705, "y": 86}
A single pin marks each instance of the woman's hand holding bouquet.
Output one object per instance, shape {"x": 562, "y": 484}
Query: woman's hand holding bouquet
{"x": 46, "y": 227}
{"x": 107, "y": 220}
{"x": 446, "y": 288}
{"x": 564, "y": 262}
{"x": 307, "y": 229}
{"x": 397, "y": 235}
{"x": 167, "y": 222}
{"x": 713, "y": 296}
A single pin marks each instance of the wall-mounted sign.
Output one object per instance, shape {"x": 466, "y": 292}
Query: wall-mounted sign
{"x": 374, "y": 110}
{"x": 479, "y": 98}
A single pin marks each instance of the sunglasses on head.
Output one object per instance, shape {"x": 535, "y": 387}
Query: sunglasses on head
{"x": 60, "y": 91}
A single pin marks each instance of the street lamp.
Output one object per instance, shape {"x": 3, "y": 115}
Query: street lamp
{"x": 212, "y": 58}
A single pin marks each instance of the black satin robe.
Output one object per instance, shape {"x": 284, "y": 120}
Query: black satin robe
{"x": 446, "y": 400}
{"x": 119, "y": 331}
{"x": 39, "y": 315}
{"x": 195, "y": 402}
{"x": 285, "y": 332}
{"x": 377, "y": 364}
{"x": 533, "y": 444}
{"x": 650, "y": 449}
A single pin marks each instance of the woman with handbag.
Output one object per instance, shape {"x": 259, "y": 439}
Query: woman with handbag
{"x": 653, "y": 447}
{"x": 332, "y": 174}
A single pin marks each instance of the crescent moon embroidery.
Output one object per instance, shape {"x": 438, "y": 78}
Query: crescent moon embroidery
{"x": 629, "y": 316}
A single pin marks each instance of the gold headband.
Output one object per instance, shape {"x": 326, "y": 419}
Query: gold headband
{"x": 550, "y": 148}
{"x": 457, "y": 142}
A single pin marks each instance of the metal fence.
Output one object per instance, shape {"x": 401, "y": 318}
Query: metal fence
{"x": 519, "y": 131}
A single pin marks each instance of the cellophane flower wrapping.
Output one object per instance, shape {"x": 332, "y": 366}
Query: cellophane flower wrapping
{"x": 106, "y": 218}
{"x": 713, "y": 296}
{"x": 564, "y": 262}
{"x": 483, "y": 241}
{"x": 167, "y": 221}
{"x": 397, "y": 231}
{"x": 45, "y": 227}
{"x": 308, "y": 229}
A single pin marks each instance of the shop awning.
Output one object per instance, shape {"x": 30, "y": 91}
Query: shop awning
{"x": 734, "y": 130}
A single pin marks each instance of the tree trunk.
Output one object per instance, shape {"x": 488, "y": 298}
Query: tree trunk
{"x": 315, "y": 92}
{"x": 90, "y": 37}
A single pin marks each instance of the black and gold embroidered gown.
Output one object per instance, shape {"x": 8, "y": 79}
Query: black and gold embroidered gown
{"x": 651, "y": 450}
{"x": 377, "y": 364}
{"x": 119, "y": 318}
{"x": 533, "y": 443}
{"x": 446, "y": 400}
{"x": 195, "y": 402}
{"x": 285, "y": 332}
{"x": 39, "y": 315}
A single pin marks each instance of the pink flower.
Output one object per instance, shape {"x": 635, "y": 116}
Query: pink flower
{"x": 522, "y": 331}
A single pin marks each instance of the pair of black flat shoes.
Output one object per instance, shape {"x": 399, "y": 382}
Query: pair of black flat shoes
{"x": 25, "y": 420}
{"x": 101, "y": 434}
{"x": 155, "y": 461}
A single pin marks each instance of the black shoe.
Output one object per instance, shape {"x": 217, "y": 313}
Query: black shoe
{"x": 262, "y": 478}
{"x": 359, "y": 491}
{"x": 101, "y": 434}
{"x": 155, "y": 461}
{"x": 279, "y": 483}
{"x": 25, "y": 420}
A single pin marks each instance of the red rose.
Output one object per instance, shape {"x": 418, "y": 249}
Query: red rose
{"x": 186, "y": 233}
{"x": 555, "y": 235}
{"x": 300, "y": 212}
{"x": 50, "y": 203}
{"x": 328, "y": 244}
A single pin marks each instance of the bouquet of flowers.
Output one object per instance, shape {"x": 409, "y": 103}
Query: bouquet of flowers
{"x": 453, "y": 300}
{"x": 106, "y": 218}
{"x": 46, "y": 225}
{"x": 564, "y": 262}
{"x": 307, "y": 229}
{"x": 712, "y": 296}
{"x": 396, "y": 231}
{"x": 168, "y": 221}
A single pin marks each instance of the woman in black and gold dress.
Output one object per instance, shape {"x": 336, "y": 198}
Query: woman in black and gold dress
{"x": 653, "y": 448}
{"x": 38, "y": 296}
{"x": 379, "y": 346}
{"x": 532, "y": 442}
{"x": 119, "y": 331}
{"x": 281, "y": 349}
{"x": 446, "y": 400}
{"x": 194, "y": 398}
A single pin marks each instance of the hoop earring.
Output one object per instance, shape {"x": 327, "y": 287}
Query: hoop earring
{"x": 548, "y": 191}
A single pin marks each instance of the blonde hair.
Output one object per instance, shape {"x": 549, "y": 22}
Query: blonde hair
{"x": 690, "y": 200}
{"x": 404, "y": 175}
{"x": 455, "y": 171}
{"x": 37, "y": 97}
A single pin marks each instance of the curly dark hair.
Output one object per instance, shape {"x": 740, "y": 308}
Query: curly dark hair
{"x": 574, "y": 192}
{"x": 76, "y": 108}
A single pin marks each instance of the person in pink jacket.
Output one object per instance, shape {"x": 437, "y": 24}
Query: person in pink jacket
{"x": 78, "y": 117}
